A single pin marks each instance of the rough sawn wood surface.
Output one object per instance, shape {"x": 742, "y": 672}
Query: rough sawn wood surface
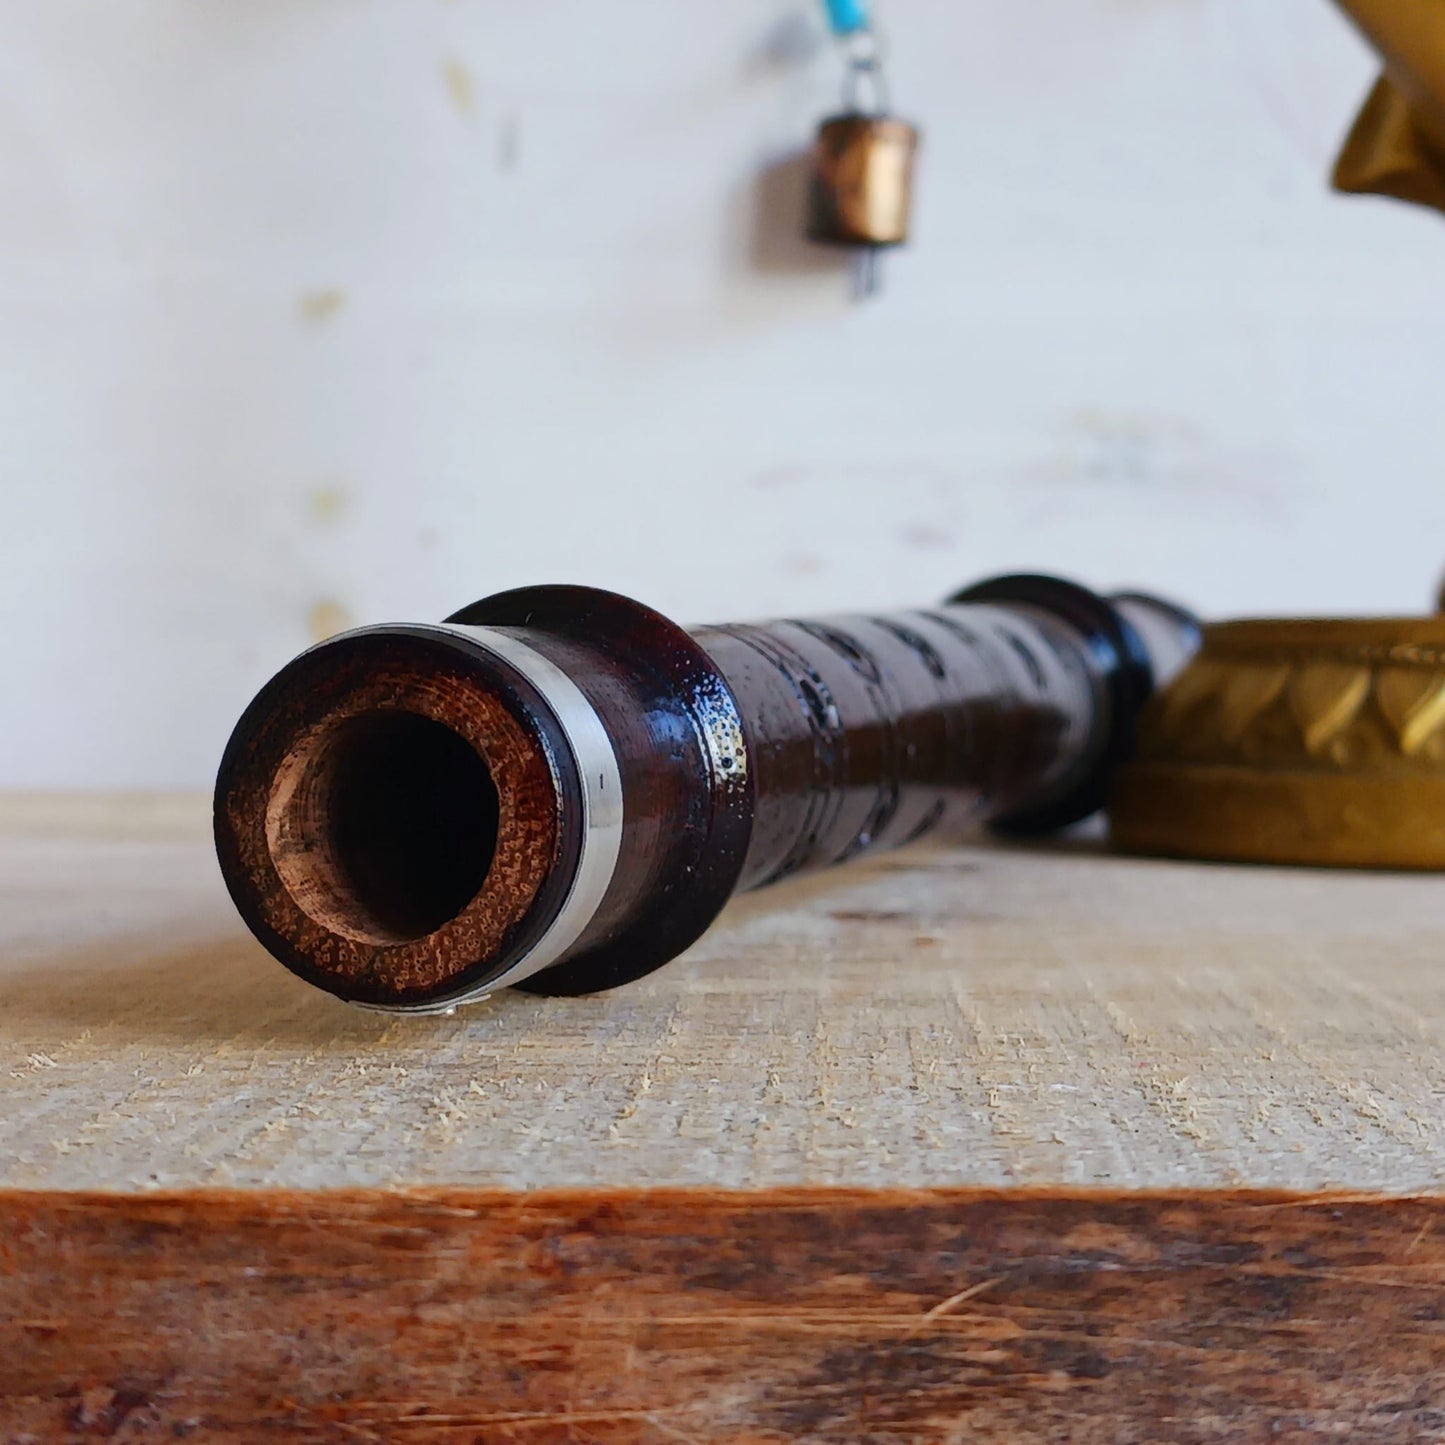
{"x": 972, "y": 1016}
{"x": 1017, "y": 1027}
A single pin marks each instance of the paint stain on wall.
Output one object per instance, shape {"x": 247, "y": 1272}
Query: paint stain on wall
{"x": 317, "y": 307}
{"x": 326, "y": 618}
{"x": 328, "y": 504}
{"x": 1124, "y": 449}
{"x": 786, "y": 474}
{"x": 509, "y": 142}
{"x": 460, "y": 87}
{"x": 1136, "y": 7}
{"x": 924, "y": 536}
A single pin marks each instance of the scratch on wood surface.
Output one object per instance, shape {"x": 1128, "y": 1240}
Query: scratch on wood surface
{"x": 943, "y": 1307}
{"x": 1166, "y": 1092}
{"x": 654, "y": 1418}
{"x": 1405, "y": 1127}
{"x": 728, "y": 1318}
{"x": 1173, "y": 1100}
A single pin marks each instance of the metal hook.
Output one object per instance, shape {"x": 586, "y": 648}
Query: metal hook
{"x": 864, "y": 56}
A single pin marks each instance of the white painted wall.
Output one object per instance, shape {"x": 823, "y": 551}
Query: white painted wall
{"x": 327, "y": 310}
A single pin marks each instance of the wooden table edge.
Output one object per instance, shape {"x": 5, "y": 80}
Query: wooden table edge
{"x": 708, "y": 1314}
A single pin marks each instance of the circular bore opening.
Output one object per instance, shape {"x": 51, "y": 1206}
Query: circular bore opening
{"x": 383, "y": 827}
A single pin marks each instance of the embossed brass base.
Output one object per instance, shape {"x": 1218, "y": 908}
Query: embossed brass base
{"x": 1296, "y": 742}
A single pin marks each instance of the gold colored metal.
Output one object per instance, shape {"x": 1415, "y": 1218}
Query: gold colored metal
{"x": 1397, "y": 145}
{"x": 1312, "y": 741}
{"x": 862, "y": 181}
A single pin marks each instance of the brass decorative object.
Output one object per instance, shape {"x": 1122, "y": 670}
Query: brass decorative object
{"x": 1397, "y": 145}
{"x": 1312, "y": 741}
{"x": 862, "y": 178}
{"x": 861, "y": 188}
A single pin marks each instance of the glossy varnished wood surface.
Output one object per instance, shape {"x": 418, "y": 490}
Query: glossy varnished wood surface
{"x": 842, "y": 1316}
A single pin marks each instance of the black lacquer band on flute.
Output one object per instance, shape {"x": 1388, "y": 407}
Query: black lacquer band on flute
{"x": 559, "y": 788}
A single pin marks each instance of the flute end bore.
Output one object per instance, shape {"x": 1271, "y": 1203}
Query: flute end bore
{"x": 394, "y": 821}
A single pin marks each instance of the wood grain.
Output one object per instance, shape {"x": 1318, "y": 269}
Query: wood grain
{"x": 970, "y": 1016}
{"x": 845, "y": 1317}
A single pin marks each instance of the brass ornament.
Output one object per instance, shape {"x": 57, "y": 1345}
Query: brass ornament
{"x": 861, "y": 184}
{"x": 1397, "y": 144}
{"x": 1311, "y": 741}
{"x": 862, "y": 180}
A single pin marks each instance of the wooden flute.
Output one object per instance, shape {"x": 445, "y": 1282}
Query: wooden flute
{"x": 558, "y": 788}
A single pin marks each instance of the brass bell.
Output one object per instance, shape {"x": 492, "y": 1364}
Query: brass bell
{"x": 861, "y": 185}
{"x": 862, "y": 181}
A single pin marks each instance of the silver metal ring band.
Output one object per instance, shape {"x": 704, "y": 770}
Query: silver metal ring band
{"x": 601, "y": 820}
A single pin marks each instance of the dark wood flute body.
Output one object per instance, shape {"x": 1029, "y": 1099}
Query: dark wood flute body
{"x": 407, "y": 816}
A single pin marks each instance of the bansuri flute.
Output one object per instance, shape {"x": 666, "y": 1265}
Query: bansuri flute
{"x": 559, "y": 788}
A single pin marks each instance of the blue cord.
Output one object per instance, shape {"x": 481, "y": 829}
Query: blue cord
{"x": 847, "y": 17}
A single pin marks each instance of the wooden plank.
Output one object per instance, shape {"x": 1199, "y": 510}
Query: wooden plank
{"x": 713, "y": 1317}
{"x": 967, "y": 1016}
